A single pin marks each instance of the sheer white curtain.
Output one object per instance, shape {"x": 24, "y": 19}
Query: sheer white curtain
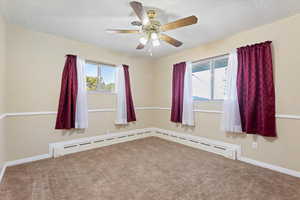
{"x": 121, "y": 96}
{"x": 81, "y": 116}
{"x": 231, "y": 120}
{"x": 188, "y": 114}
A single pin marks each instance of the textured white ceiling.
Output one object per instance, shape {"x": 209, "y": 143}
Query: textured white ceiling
{"x": 86, "y": 20}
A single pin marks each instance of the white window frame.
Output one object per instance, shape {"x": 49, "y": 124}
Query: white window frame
{"x": 211, "y": 61}
{"x": 99, "y": 64}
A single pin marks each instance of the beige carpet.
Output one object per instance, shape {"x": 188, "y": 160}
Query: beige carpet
{"x": 146, "y": 169}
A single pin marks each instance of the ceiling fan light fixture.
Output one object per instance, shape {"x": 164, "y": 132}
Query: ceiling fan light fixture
{"x": 145, "y": 21}
{"x": 155, "y": 43}
{"x": 154, "y": 36}
{"x": 143, "y": 41}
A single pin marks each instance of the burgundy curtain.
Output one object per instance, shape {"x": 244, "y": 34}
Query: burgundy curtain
{"x": 67, "y": 102}
{"x": 177, "y": 92}
{"x": 129, "y": 102}
{"x": 255, "y": 87}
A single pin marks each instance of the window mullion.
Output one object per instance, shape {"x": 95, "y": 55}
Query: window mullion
{"x": 99, "y": 77}
{"x": 99, "y": 71}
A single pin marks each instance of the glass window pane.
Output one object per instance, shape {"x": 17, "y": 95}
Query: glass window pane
{"x": 209, "y": 84}
{"x": 91, "y": 76}
{"x": 201, "y": 66}
{"x": 201, "y": 81}
{"x": 219, "y": 82}
{"x": 107, "y": 79}
{"x": 222, "y": 62}
{"x": 91, "y": 70}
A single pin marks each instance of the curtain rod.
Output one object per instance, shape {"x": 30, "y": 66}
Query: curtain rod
{"x": 196, "y": 61}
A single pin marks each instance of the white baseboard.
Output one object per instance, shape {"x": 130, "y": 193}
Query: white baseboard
{"x": 2, "y": 171}
{"x": 270, "y": 166}
{"x": 156, "y": 132}
{"x": 21, "y": 161}
{"x": 27, "y": 160}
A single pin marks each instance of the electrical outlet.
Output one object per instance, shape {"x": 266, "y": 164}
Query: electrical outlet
{"x": 254, "y": 145}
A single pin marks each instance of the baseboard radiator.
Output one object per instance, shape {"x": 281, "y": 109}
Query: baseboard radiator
{"x": 83, "y": 144}
{"x": 63, "y": 148}
{"x": 231, "y": 151}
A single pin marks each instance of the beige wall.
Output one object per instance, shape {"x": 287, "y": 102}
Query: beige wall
{"x": 35, "y": 63}
{"x": 2, "y": 63}
{"x": 2, "y": 87}
{"x": 282, "y": 151}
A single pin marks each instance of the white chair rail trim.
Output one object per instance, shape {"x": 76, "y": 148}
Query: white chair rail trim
{"x": 2, "y": 116}
{"x": 283, "y": 116}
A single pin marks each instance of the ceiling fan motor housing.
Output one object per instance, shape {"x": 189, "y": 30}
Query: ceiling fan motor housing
{"x": 153, "y": 26}
{"x": 151, "y": 14}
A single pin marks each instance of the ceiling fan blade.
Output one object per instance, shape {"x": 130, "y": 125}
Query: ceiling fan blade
{"x": 139, "y": 11}
{"x": 140, "y": 46}
{"x": 170, "y": 40}
{"x": 121, "y": 31}
{"x": 180, "y": 23}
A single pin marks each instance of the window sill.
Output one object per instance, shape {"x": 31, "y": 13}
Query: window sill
{"x": 101, "y": 92}
{"x": 199, "y": 101}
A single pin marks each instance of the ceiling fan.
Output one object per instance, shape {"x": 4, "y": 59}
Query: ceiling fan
{"x": 151, "y": 29}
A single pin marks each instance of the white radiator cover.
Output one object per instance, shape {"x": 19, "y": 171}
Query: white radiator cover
{"x": 231, "y": 151}
{"x": 228, "y": 150}
{"x": 83, "y": 144}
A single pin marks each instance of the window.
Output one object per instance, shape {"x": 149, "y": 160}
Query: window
{"x": 209, "y": 79}
{"x": 100, "y": 77}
